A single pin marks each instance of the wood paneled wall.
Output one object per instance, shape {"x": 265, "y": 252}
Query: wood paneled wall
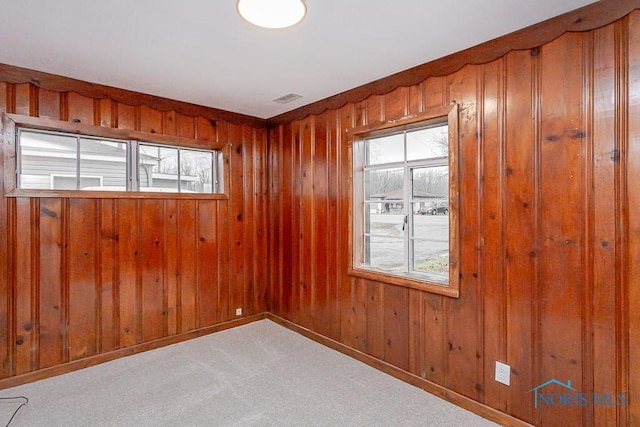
{"x": 84, "y": 277}
{"x": 550, "y": 230}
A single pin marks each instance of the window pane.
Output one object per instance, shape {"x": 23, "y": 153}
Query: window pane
{"x": 103, "y": 165}
{"x": 158, "y": 168}
{"x": 44, "y": 156}
{"x": 430, "y": 185}
{"x": 386, "y": 149}
{"x": 384, "y": 223}
{"x": 428, "y": 143}
{"x": 385, "y": 253}
{"x": 430, "y": 233}
{"x": 430, "y": 237}
{"x": 431, "y": 256}
{"x": 196, "y": 171}
{"x": 384, "y": 184}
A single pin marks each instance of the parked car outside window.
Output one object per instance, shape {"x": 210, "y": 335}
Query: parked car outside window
{"x": 434, "y": 209}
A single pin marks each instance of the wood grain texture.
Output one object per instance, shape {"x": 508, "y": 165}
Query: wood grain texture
{"x": 549, "y": 233}
{"x": 84, "y": 277}
{"x": 548, "y": 229}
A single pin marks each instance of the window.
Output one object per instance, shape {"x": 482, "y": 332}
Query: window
{"x": 51, "y": 160}
{"x": 405, "y": 206}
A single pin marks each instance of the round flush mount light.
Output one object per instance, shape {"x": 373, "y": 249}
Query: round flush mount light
{"x": 272, "y": 13}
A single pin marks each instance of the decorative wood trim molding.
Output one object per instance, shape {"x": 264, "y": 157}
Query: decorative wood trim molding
{"x": 127, "y": 351}
{"x": 586, "y": 18}
{"x": 428, "y": 386}
{"x": 43, "y": 123}
{"x": 52, "y": 82}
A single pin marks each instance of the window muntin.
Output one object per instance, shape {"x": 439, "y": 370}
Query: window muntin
{"x": 402, "y": 221}
{"x": 50, "y": 160}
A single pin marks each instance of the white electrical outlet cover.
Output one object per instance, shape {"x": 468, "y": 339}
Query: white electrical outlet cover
{"x": 238, "y": 312}
{"x": 503, "y": 373}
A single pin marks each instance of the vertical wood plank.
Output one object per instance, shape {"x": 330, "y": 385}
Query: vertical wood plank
{"x": 4, "y": 97}
{"x": 359, "y": 321}
{"x": 323, "y": 288}
{"x": 169, "y": 123}
{"x": 345, "y": 119}
{"x": 185, "y": 126}
{"x": 6, "y": 281}
{"x": 106, "y": 113}
{"x": 561, "y": 179}
{"x": 629, "y": 297}
{"x": 260, "y": 214}
{"x": 288, "y": 232}
{"x": 416, "y": 99}
{"x": 601, "y": 191}
{"x": 80, "y": 109}
{"x": 307, "y": 217}
{"x": 396, "y": 326}
{"x": 463, "y": 339}
{"x": 435, "y": 345}
{"x": 22, "y": 99}
{"x": 237, "y": 218}
{"x": 49, "y": 104}
{"x": 82, "y": 334}
{"x": 207, "y": 263}
{"x": 375, "y": 318}
{"x": 151, "y": 120}
{"x": 435, "y": 92}
{"x": 396, "y": 103}
{"x": 374, "y": 107}
{"x": 276, "y": 176}
{"x": 172, "y": 264}
{"x": 224, "y": 237}
{"x": 491, "y": 239}
{"x": 333, "y": 271}
{"x": 188, "y": 265}
{"x": 108, "y": 277}
{"x": 519, "y": 215}
{"x": 416, "y": 332}
{"x": 249, "y": 286}
{"x": 127, "y": 249}
{"x": 24, "y": 287}
{"x": 127, "y": 116}
{"x": 205, "y": 132}
{"x": 152, "y": 271}
{"x": 223, "y": 247}
{"x": 51, "y": 320}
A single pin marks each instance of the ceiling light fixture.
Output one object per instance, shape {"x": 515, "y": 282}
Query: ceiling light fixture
{"x": 272, "y": 13}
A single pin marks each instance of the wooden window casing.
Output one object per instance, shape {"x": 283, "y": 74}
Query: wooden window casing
{"x": 12, "y": 122}
{"x": 426, "y": 282}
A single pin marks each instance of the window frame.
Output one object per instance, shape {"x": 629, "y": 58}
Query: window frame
{"x": 11, "y": 123}
{"x": 356, "y": 142}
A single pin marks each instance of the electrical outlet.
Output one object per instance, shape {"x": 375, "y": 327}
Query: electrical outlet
{"x": 238, "y": 312}
{"x": 503, "y": 373}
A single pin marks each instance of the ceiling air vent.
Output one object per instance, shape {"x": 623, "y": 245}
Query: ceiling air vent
{"x": 287, "y": 98}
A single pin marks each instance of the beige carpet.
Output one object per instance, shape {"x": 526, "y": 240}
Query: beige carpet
{"x": 259, "y": 374}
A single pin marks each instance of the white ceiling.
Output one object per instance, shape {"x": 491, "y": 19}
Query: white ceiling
{"x": 201, "y": 51}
